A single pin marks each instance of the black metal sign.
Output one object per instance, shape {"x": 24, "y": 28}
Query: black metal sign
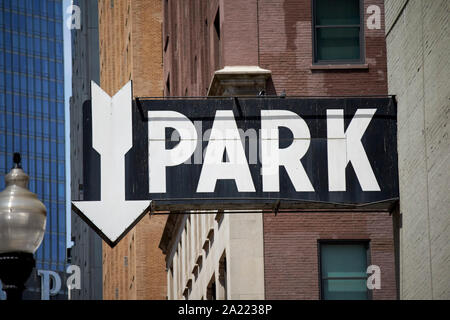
{"x": 256, "y": 152}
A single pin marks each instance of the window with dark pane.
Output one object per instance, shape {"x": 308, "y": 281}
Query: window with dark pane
{"x": 343, "y": 271}
{"x": 338, "y": 31}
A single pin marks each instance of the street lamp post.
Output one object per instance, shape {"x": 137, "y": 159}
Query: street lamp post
{"x": 22, "y": 227}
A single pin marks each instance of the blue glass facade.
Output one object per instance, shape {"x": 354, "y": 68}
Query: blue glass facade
{"x": 32, "y": 111}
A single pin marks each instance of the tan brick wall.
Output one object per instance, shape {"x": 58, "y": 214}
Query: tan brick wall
{"x": 130, "y": 49}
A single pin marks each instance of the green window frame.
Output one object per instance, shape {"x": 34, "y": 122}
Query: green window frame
{"x": 338, "y": 31}
{"x": 342, "y": 269}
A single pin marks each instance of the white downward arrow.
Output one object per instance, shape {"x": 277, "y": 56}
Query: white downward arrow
{"x": 112, "y": 138}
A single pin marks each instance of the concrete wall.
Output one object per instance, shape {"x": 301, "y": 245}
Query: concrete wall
{"x": 87, "y": 248}
{"x": 130, "y": 49}
{"x": 200, "y": 242}
{"x": 418, "y": 46}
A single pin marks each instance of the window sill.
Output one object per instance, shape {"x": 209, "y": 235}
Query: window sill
{"x": 364, "y": 66}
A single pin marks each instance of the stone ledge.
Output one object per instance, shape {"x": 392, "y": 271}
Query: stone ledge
{"x": 239, "y": 81}
{"x": 339, "y": 66}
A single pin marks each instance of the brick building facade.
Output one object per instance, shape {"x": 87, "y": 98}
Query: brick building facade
{"x": 291, "y": 242}
{"x": 201, "y": 37}
{"x": 130, "y": 49}
{"x": 243, "y": 48}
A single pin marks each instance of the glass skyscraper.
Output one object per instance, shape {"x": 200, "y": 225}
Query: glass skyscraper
{"x": 32, "y": 114}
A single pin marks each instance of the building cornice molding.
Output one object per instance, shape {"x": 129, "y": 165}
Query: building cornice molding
{"x": 239, "y": 81}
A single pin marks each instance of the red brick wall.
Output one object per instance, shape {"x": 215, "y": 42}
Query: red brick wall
{"x": 285, "y": 46}
{"x": 291, "y": 249}
{"x": 187, "y": 46}
{"x": 240, "y": 33}
{"x": 276, "y": 35}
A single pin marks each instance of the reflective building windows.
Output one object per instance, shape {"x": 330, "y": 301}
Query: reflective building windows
{"x": 32, "y": 111}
